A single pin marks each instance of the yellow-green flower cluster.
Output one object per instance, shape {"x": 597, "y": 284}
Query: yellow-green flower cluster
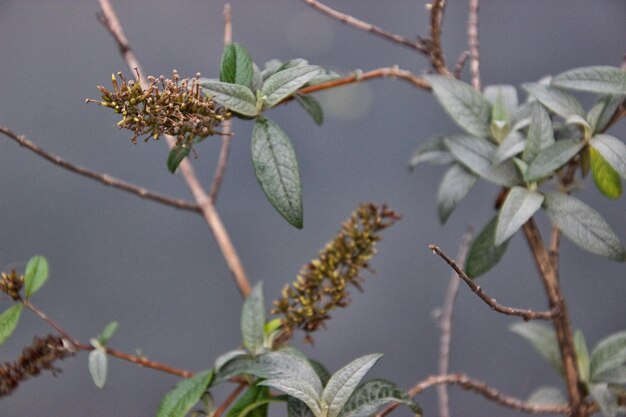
{"x": 173, "y": 107}
{"x": 322, "y": 284}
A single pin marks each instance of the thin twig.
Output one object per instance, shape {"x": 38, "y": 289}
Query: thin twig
{"x": 437, "y": 9}
{"x": 367, "y": 27}
{"x": 103, "y": 178}
{"x": 510, "y": 311}
{"x": 446, "y": 326}
{"x": 460, "y": 63}
{"x": 51, "y": 323}
{"x": 472, "y": 38}
{"x": 210, "y": 214}
{"x": 555, "y": 241}
{"x": 228, "y": 401}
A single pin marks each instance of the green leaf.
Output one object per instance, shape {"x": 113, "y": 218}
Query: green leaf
{"x": 225, "y": 358}
{"x": 584, "y": 226}
{"x": 107, "y": 333}
{"x": 597, "y": 79}
{"x": 253, "y": 320}
{"x": 36, "y": 275}
{"x": 433, "y": 151}
{"x": 297, "y": 389}
{"x": 543, "y": 339}
{"x": 511, "y": 145}
{"x": 552, "y": 158}
{"x": 237, "y": 98}
{"x": 546, "y": 395}
{"x": 176, "y": 156}
{"x": 612, "y": 150}
{"x": 612, "y": 376}
{"x": 581, "y": 123}
{"x": 505, "y": 94}
{"x": 477, "y": 155}
{"x": 286, "y": 82}
{"x": 97, "y": 365}
{"x": 560, "y": 102}
{"x": 582, "y": 356}
{"x": 321, "y": 372}
{"x": 312, "y": 106}
{"x": 236, "y": 65}
{"x": 253, "y": 396}
{"x": 323, "y": 76}
{"x": 484, "y": 254}
{"x": 610, "y": 353}
{"x": 8, "y": 321}
{"x": 187, "y": 392}
{"x": 296, "y": 408}
{"x": 370, "y": 396}
{"x": 345, "y": 381}
{"x": 468, "y": 108}
{"x": 257, "y": 78}
{"x": 454, "y": 186}
{"x": 605, "y": 398}
{"x": 602, "y": 112}
{"x": 606, "y": 178}
{"x": 276, "y": 169}
{"x": 519, "y": 206}
{"x": 540, "y": 134}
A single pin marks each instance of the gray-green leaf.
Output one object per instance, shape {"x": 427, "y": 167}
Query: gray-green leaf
{"x": 602, "y": 112}
{"x": 608, "y": 354}
{"x": 484, "y": 254}
{"x": 276, "y": 169}
{"x": 296, "y": 408}
{"x": 297, "y": 389}
{"x": 597, "y": 79}
{"x": 613, "y": 150}
{"x": 582, "y": 356}
{"x": 546, "y": 395}
{"x": 237, "y": 98}
{"x": 236, "y": 67}
{"x": 433, "y": 151}
{"x": 36, "y": 275}
{"x": 552, "y": 158}
{"x": 519, "y": 206}
{"x": 511, "y": 145}
{"x": 8, "y": 321}
{"x": 612, "y": 376}
{"x": 179, "y": 401}
{"x": 107, "y": 333}
{"x": 605, "y": 398}
{"x": 312, "y": 106}
{"x": 253, "y": 320}
{"x": 560, "y": 102}
{"x": 454, "y": 186}
{"x": 286, "y": 82}
{"x": 368, "y": 397}
{"x": 543, "y": 339}
{"x": 505, "y": 94}
{"x": 540, "y": 133}
{"x": 97, "y": 365}
{"x": 253, "y": 396}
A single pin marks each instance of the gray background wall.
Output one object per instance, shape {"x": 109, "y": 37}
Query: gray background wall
{"x": 158, "y": 271}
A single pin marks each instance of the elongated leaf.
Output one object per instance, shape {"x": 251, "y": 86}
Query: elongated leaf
{"x": 601, "y": 113}
{"x": 253, "y": 320}
{"x": 606, "y": 178}
{"x": 8, "y": 321}
{"x": 519, "y": 206}
{"x": 237, "y": 98}
{"x": 552, "y": 158}
{"x": 321, "y": 372}
{"x": 504, "y": 93}
{"x": 323, "y": 76}
{"x": 107, "y": 333}
{"x": 582, "y": 356}
{"x": 98, "y": 367}
{"x": 608, "y": 354}
{"x": 176, "y": 156}
{"x": 605, "y": 398}
{"x": 251, "y": 396}
{"x": 468, "y": 108}
{"x": 560, "y": 102}
{"x": 477, "y": 155}
{"x": 500, "y": 118}
{"x": 484, "y": 254}
{"x": 276, "y": 169}
{"x": 540, "y": 133}
{"x": 257, "y": 78}
{"x": 613, "y": 150}
{"x": 286, "y": 82}
{"x": 343, "y": 382}
{"x": 612, "y": 376}
{"x": 186, "y": 393}
{"x": 297, "y": 389}
{"x": 368, "y": 397}
{"x": 433, "y": 151}
{"x": 454, "y": 186}
{"x": 312, "y": 106}
{"x": 296, "y": 408}
{"x": 225, "y": 358}
{"x": 546, "y": 395}
{"x": 36, "y": 275}
{"x": 236, "y": 67}
{"x": 543, "y": 339}
{"x": 584, "y": 226}
{"x": 511, "y": 145}
{"x": 581, "y": 124}
{"x": 598, "y": 79}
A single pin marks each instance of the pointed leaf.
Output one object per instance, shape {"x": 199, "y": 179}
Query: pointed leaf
{"x": 606, "y": 178}
{"x": 602, "y": 112}
{"x": 321, "y": 372}
{"x": 519, "y": 206}
{"x": 296, "y": 408}
{"x": 605, "y": 398}
{"x": 560, "y": 102}
{"x": 608, "y": 354}
{"x": 253, "y": 320}
{"x": 312, "y": 106}
{"x": 236, "y": 67}
{"x": 505, "y": 94}
{"x": 286, "y": 82}
{"x": 612, "y": 150}
{"x": 547, "y": 395}
{"x": 176, "y": 156}
{"x": 253, "y": 395}
{"x": 584, "y": 226}
{"x": 97, "y": 365}
{"x": 582, "y": 356}
{"x": 36, "y": 275}
{"x": 540, "y": 133}
{"x": 8, "y": 321}
{"x": 107, "y": 333}
{"x": 343, "y": 382}
{"x": 297, "y": 389}
{"x": 598, "y": 79}
{"x": 433, "y": 151}
{"x": 511, "y": 145}
{"x": 454, "y": 186}
{"x": 552, "y": 158}
{"x": 484, "y": 254}
{"x": 543, "y": 339}
{"x": 370, "y": 396}
{"x": 187, "y": 392}
{"x": 276, "y": 169}
{"x": 225, "y": 358}
{"x": 612, "y": 376}
{"x": 257, "y": 78}
{"x": 468, "y": 108}
{"x": 237, "y": 98}
{"x": 477, "y": 155}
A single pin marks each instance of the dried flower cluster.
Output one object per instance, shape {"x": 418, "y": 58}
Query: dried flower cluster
{"x": 322, "y": 284}
{"x": 11, "y": 284}
{"x": 173, "y": 107}
{"x": 39, "y": 356}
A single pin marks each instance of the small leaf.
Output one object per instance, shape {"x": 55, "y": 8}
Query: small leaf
{"x": 296, "y": 408}
{"x": 505, "y": 94}
{"x": 584, "y": 226}
{"x": 519, "y": 206}
{"x": 552, "y": 158}
{"x": 253, "y": 320}
{"x": 540, "y": 134}
{"x": 107, "y": 333}
{"x": 97, "y": 365}
{"x": 312, "y": 106}
{"x": 297, "y": 389}
{"x": 612, "y": 376}
{"x": 612, "y": 150}
{"x": 370, "y": 396}
{"x": 345, "y": 381}
{"x": 605, "y": 398}
{"x": 257, "y": 78}
{"x": 454, "y": 186}
{"x": 511, "y": 145}
{"x": 469, "y": 109}
{"x": 433, "y": 151}
{"x": 224, "y": 358}
{"x": 236, "y": 67}
{"x": 610, "y": 353}
{"x": 606, "y": 178}
{"x": 484, "y": 254}
{"x": 236, "y": 97}
{"x": 500, "y": 110}
{"x": 543, "y": 339}
{"x": 250, "y": 397}
{"x": 582, "y": 125}
{"x": 582, "y": 356}
{"x": 276, "y": 169}
{"x": 8, "y": 321}
{"x": 547, "y": 395}
{"x": 560, "y": 102}
{"x": 36, "y": 275}
{"x": 598, "y": 79}
{"x": 176, "y": 156}
{"x": 602, "y": 112}
{"x": 286, "y": 82}
{"x": 187, "y": 392}
{"x": 323, "y": 76}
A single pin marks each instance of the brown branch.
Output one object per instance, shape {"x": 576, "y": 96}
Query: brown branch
{"x": 510, "y": 311}
{"x": 460, "y": 63}
{"x": 367, "y": 27}
{"x": 210, "y": 214}
{"x": 555, "y": 241}
{"x": 472, "y": 38}
{"x": 102, "y": 178}
{"x": 228, "y": 401}
{"x": 437, "y": 9}
{"x": 51, "y": 323}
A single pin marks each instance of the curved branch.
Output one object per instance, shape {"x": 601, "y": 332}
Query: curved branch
{"x": 435, "y": 50}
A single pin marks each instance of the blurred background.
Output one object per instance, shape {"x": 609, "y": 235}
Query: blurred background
{"x": 158, "y": 271}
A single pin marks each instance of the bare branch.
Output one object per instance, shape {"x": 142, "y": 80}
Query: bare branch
{"x": 229, "y": 400}
{"x": 555, "y": 240}
{"x": 510, "y": 311}
{"x": 460, "y": 63}
{"x": 103, "y": 178}
{"x": 472, "y": 38}
{"x": 437, "y": 8}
